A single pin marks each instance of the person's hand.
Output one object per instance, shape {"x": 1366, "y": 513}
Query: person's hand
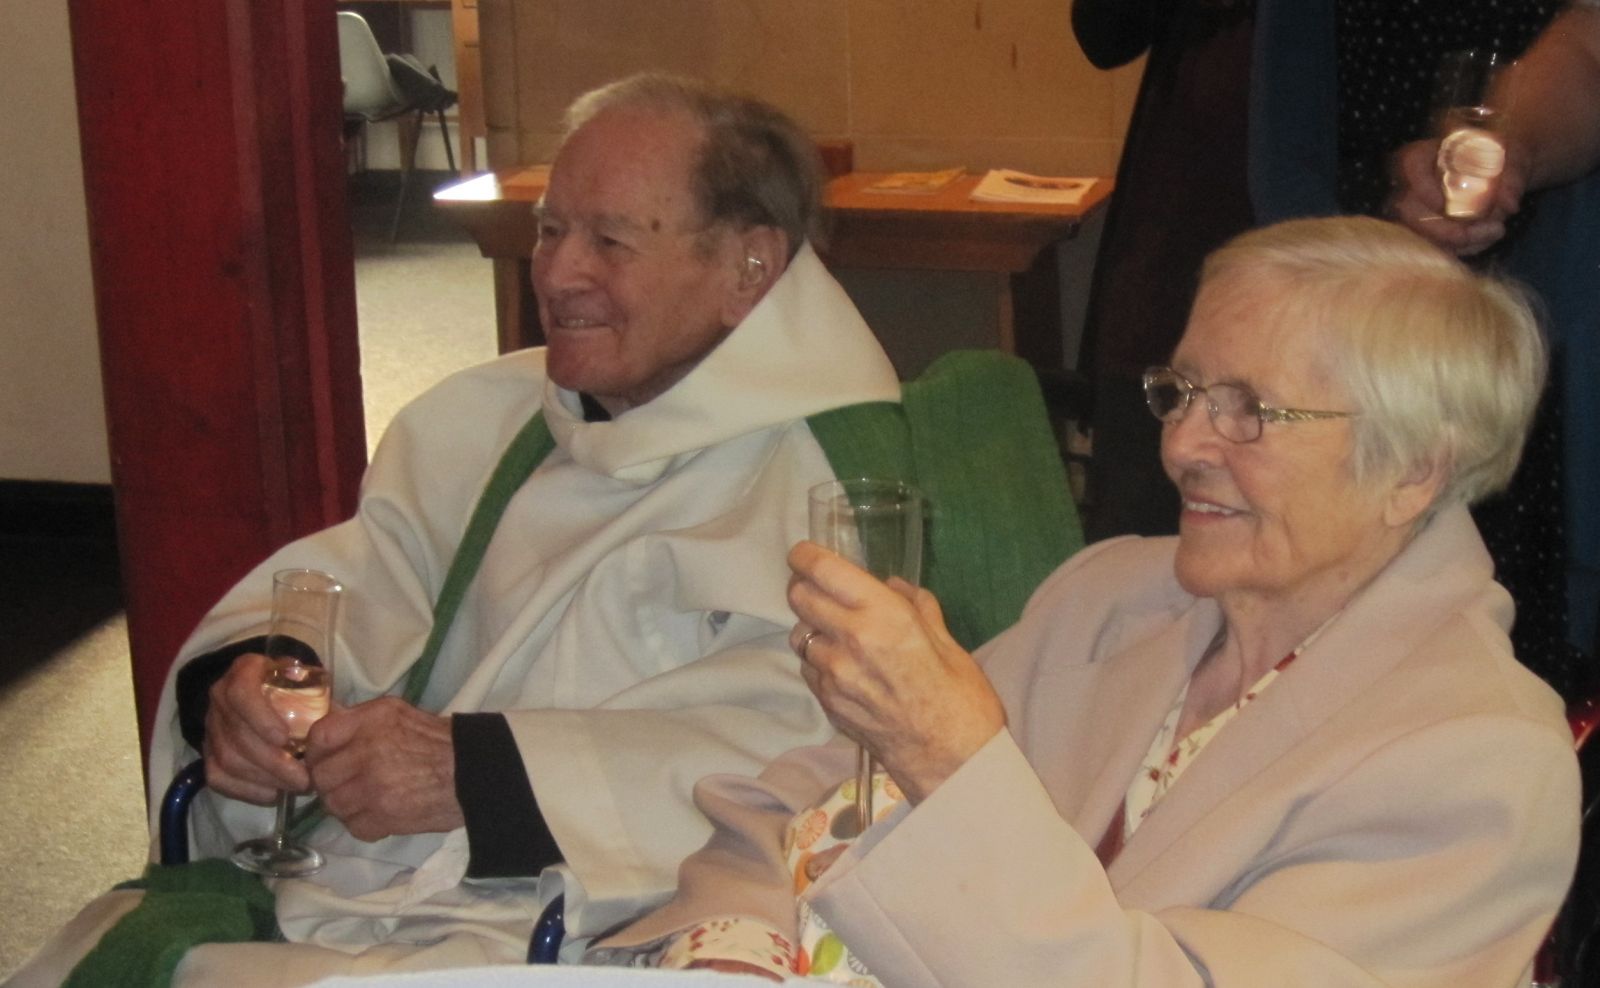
{"x": 384, "y": 767}
{"x": 886, "y": 670}
{"x": 245, "y": 738}
{"x": 1417, "y": 201}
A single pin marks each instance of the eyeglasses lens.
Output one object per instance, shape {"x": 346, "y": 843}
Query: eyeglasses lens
{"x": 1235, "y": 412}
{"x": 1164, "y": 394}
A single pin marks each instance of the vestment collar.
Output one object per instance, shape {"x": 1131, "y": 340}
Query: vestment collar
{"x": 803, "y": 349}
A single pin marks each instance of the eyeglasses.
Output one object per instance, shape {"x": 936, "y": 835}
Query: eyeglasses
{"x": 1236, "y": 413}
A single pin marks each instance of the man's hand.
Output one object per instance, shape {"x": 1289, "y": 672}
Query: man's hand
{"x": 245, "y": 738}
{"x": 384, "y": 767}
{"x": 1418, "y": 199}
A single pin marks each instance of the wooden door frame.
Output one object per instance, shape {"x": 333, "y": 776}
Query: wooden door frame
{"x": 225, "y": 294}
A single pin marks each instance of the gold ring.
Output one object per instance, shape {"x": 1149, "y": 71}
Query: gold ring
{"x": 805, "y": 643}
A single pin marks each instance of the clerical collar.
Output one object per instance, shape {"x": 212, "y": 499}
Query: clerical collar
{"x": 593, "y": 411}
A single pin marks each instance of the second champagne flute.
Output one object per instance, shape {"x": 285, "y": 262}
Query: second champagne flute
{"x": 299, "y": 685}
{"x": 876, "y": 524}
{"x": 1471, "y": 100}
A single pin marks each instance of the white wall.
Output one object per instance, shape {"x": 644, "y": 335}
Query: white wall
{"x": 52, "y": 416}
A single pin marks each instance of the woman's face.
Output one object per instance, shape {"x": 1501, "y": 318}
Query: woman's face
{"x": 1279, "y": 520}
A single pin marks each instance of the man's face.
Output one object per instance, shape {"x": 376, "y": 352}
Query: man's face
{"x": 634, "y": 289}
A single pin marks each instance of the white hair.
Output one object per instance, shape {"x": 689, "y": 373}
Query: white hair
{"x": 756, "y": 167}
{"x": 1444, "y": 365}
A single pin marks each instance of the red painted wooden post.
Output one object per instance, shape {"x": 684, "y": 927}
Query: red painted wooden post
{"x": 225, "y": 293}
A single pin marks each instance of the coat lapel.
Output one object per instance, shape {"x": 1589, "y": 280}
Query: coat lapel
{"x": 1388, "y": 620}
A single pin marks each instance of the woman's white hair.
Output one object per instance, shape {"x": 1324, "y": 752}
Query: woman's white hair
{"x": 1444, "y": 365}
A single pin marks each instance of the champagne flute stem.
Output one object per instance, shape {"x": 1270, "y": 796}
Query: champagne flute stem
{"x": 280, "y": 829}
{"x": 863, "y": 789}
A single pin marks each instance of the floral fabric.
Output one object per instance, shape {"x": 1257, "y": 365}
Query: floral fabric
{"x": 1167, "y": 759}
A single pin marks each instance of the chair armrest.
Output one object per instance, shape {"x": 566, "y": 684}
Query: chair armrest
{"x": 174, "y": 821}
{"x": 548, "y": 932}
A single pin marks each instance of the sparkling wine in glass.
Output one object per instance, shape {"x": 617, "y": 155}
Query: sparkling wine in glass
{"x": 298, "y": 686}
{"x": 877, "y": 524}
{"x": 1471, "y": 102}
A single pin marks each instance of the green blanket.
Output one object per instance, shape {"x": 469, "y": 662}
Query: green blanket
{"x": 202, "y": 902}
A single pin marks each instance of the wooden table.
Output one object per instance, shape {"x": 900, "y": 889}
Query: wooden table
{"x": 945, "y": 231}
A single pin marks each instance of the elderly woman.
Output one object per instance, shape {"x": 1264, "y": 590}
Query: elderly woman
{"x": 1289, "y": 746}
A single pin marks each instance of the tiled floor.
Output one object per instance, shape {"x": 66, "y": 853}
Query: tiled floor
{"x": 72, "y": 815}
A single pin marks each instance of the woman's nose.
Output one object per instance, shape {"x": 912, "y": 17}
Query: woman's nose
{"x": 1191, "y": 437}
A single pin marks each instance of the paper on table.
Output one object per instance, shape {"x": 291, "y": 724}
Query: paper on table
{"x": 1005, "y": 185}
{"x": 915, "y": 183}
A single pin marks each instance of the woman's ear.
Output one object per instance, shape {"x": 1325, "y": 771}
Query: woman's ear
{"x": 762, "y": 257}
{"x": 1414, "y": 493}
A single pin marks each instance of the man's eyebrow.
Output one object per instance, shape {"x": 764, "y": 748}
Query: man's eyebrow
{"x": 615, "y": 222}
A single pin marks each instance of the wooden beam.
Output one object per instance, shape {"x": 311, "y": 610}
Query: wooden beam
{"x": 224, "y": 284}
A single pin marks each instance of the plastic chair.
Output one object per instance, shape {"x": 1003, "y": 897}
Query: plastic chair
{"x": 381, "y": 87}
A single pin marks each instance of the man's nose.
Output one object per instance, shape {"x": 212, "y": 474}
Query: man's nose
{"x": 563, "y": 264}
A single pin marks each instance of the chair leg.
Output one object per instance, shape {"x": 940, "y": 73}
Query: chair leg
{"x": 444, "y": 133}
{"x": 410, "y": 127}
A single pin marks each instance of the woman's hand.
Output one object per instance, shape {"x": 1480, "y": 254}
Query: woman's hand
{"x": 887, "y": 672}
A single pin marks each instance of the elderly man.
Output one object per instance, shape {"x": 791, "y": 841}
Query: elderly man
{"x": 624, "y": 634}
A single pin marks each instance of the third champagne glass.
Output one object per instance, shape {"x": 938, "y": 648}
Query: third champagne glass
{"x": 877, "y": 524}
{"x": 1471, "y": 101}
{"x": 305, "y": 611}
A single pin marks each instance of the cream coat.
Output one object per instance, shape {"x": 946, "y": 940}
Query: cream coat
{"x": 629, "y": 618}
{"x": 1399, "y": 808}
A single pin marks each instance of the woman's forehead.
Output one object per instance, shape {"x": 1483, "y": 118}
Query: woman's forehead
{"x": 1256, "y": 332}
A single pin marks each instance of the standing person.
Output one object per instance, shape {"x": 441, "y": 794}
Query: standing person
{"x": 1252, "y": 111}
{"x": 625, "y": 632}
{"x": 1552, "y": 131}
{"x": 1181, "y": 190}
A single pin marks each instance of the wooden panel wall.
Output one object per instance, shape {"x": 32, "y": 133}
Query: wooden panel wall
{"x": 914, "y": 83}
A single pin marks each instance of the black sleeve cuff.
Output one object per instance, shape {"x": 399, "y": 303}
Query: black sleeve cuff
{"x": 506, "y": 834}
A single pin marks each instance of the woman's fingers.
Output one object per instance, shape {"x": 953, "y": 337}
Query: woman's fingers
{"x": 835, "y": 575}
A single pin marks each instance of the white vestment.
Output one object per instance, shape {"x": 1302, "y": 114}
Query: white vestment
{"x": 629, "y": 619}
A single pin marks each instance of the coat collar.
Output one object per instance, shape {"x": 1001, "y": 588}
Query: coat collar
{"x": 1443, "y": 570}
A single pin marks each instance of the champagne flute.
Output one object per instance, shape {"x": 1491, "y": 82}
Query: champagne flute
{"x": 876, "y": 524}
{"x": 305, "y": 610}
{"x": 1470, "y": 105}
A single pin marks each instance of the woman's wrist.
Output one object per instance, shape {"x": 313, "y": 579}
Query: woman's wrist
{"x": 918, "y": 773}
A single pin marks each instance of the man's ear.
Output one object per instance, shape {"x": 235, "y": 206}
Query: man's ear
{"x": 761, "y": 257}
